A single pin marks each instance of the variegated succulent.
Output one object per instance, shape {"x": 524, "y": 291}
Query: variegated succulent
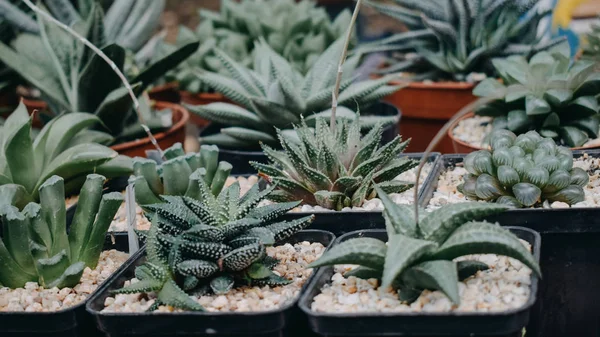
{"x": 64, "y": 147}
{"x": 211, "y": 244}
{"x": 449, "y": 39}
{"x": 275, "y": 95}
{"x": 550, "y": 94}
{"x": 35, "y": 245}
{"x": 420, "y": 256}
{"x": 523, "y": 171}
{"x": 335, "y": 169}
{"x": 179, "y": 174}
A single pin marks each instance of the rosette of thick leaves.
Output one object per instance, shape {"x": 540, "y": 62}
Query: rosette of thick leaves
{"x": 523, "y": 171}
{"x": 420, "y": 256}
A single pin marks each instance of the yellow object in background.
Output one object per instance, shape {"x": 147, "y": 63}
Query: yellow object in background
{"x": 563, "y": 12}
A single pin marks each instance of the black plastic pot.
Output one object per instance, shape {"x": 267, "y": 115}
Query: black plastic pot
{"x": 69, "y": 322}
{"x": 455, "y": 324}
{"x": 344, "y": 222}
{"x": 568, "y": 300}
{"x": 240, "y": 159}
{"x": 232, "y": 324}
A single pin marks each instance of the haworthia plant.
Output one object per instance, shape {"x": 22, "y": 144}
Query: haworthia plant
{"x": 335, "y": 169}
{"x": 35, "y": 245}
{"x": 452, "y": 39}
{"x": 211, "y": 244}
{"x": 523, "y": 171}
{"x": 550, "y": 95}
{"x": 421, "y": 256}
{"x": 71, "y": 78}
{"x": 64, "y": 147}
{"x": 179, "y": 174}
{"x": 591, "y": 44}
{"x": 275, "y": 95}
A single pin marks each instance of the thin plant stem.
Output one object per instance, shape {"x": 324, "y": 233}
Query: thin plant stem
{"x": 136, "y": 103}
{"x": 336, "y": 90}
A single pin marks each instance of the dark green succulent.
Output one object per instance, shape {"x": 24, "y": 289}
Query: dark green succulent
{"x": 420, "y": 256}
{"x": 35, "y": 245}
{"x": 453, "y": 38}
{"x": 523, "y": 171}
{"x": 335, "y": 170}
{"x": 550, "y": 95}
{"x": 275, "y": 95}
{"x": 211, "y": 244}
{"x": 179, "y": 174}
{"x": 64, "y": 147}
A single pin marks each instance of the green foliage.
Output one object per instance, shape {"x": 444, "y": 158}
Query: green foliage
{"x": 591, "y": 46}
{"x": 335, "y": 170}
{"x": 35, "y": 246}
{"x": 64, "y": 147}
{"x": 549, "y": 95}
{"x": 420, "y": 256}
{"x": 179, "y": 174}
{"x": 454, "y": 38}
{"x": 523, "y": 171}
{"x": 275, "y": 95}
{"x": 212, "y": 244}
{"x": 72, "y": 78}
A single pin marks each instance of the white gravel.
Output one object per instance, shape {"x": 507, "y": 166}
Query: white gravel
{"x": 34, "y": 298}
{"x": 446, "y": 192}
{"x": 293, "y": 260}
{"x": 505, "y": 286}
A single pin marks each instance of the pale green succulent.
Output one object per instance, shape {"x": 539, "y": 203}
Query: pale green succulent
{"x": 591, "y": 46}
{"x": 275, "y": 95}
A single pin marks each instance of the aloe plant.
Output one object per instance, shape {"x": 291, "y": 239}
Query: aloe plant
{"x": 35, "y": 245}
{"x": 421, "y": 255}
{"x": 523, "y": 171}
{"x": 452, "y": 39}
{"x": 72, "y": 78}
{"x": 548, "y": 94}
{"x": 275, "y": 95}
{"x": 179, "y": 174}
{"x": 211, "y": 244}
{"x": 64, "y": 147}
{"x": 335, "y": 169}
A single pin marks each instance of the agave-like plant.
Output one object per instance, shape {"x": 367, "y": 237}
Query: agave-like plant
{"x": 419, "y": 256}
{"x": 452, "y": 39}
{"x": 275, "y": 95}
{"x": 211, "y": 244}
{"x": 550, "y": 95}
{"x": 523, "y": 171}
{"x": 62, "y": 148}
{"x": 179, "y": 174}
{"x": 36, "y": 247}
{"x": 335, "y": 169}
{"x": 72, "y": 78}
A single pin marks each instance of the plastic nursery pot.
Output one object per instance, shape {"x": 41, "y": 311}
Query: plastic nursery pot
{"x": 343, "y": 222}
{"x": 168, "y": 92}
{"x": 201, "y": 98}
{"x": 426, "y": 107}
{"x": 70, "y": 322}
{"x": 240, "y": 158}
{"x": 176, "y": 134}
{"x": 568, "y": 300}
{"x": 232, "y": 324}
{"x": 455, "y": 324}
{"x": 460, "y": 146}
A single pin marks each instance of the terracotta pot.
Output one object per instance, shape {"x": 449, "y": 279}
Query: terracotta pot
{"x": 426, "y": 107}
{"x": 201, "y": 99}
{"x": 462, "y": 147}
{"x": 168, "y": 92}
{"x": 176, "y": 133}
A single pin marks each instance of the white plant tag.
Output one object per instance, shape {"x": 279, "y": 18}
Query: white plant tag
{"x": 130, "y": 207}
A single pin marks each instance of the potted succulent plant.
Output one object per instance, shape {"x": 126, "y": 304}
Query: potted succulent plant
{"x": 428, "y": 279}
{"x": 47, "y": 274}
{"x": 447, "y": 51}
{"x": 548, "y": 94}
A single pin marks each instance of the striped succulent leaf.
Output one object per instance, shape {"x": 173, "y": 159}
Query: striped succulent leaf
{"x": 413, "y": 260}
